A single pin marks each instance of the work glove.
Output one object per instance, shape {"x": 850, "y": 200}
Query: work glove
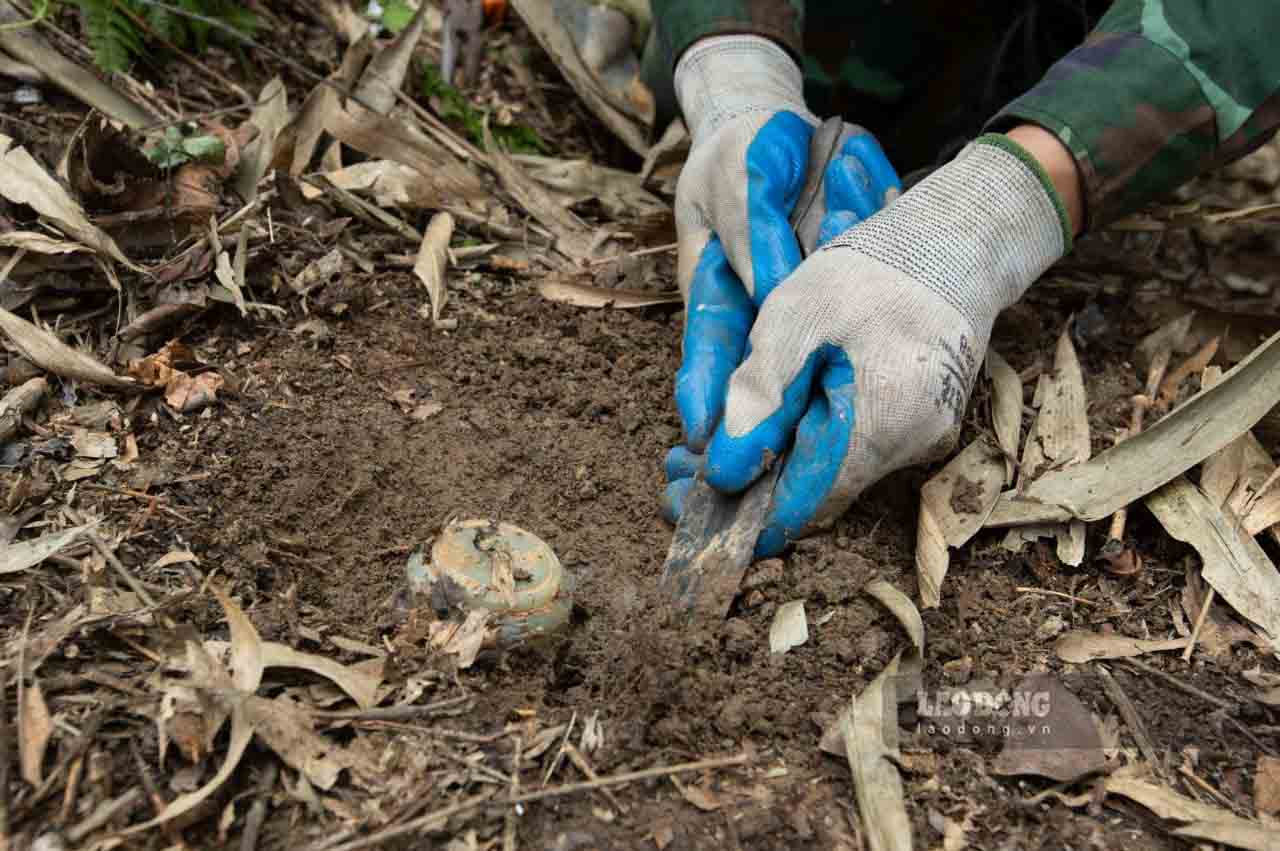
{"x": 750, "y": 131}
{"x": 862, "y": 361}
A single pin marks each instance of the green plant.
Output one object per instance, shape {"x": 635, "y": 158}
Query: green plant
{"x": 176, "y": 147}
{"x": 454, "y": 106}
{"x": 396, "y": 15}
{"x": 120, "y": 31}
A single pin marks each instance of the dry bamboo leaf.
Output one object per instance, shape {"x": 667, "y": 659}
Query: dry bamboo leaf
{"x": 433, "y": 261}
{"x": 1217, "y": 632}
{"x": 1266, "y": 785}
{"x": 620, "y": 193}
{"x": 23, "y": 555}
{"x": 392, "y": 184}
{"x": 1071, "y": 541}
{"x": 296, "y": 145}
{"x": 385, "y": 73}
{"x": 38, "y": 243}
{"x": 1063, "y": 424}
{"x": 1079, "y": 647}
{"x": 1202, "y": 821}
{"x": 24, "y": 181}
{"x": 584, "y": 295}
{"x": 1006, "y": 408}
{"x": 18, "y": 403}
{"x": 1134, "y": 468}
{"x": 52, "y": 355}
{"x": 466, "y": 639}
{"x": 572, "y": 238}
{"x": 246, "y": 657}
{"x": 35, "y": 727}
{"x": 384, "y": 137}
{"x": 871, "y": 748}
{"x": 1233, "y": 564}
{"x": 270, "y": 115}
{"x": 175, "y": 557}
{"x": 287, "y": 730}
{"x": 790, "y": 627}
{"x": 628, "y": 121}
{"x": 953, "y": 505}
{"x": 360, "y": 686}
{"x": 241, "y": 735}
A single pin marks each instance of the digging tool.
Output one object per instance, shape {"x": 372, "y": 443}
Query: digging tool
{"x": 717, "y": 532}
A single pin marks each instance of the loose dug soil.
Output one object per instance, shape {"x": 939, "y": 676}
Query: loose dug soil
{"x": 556, "y": 419}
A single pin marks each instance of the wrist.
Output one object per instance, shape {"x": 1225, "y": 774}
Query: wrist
{"x": 1058, "y": 166}
{"x": 722, "y": 77}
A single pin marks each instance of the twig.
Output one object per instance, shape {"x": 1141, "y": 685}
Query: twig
{"x": 579, "y": 759}
{"x": 1045, "y": 591}
{"x": 1212, "y": 792}
{"x": 258, "y": 812}
{"x": 564, "y": 743}
{"x": 475, "y": 801}
{"x": 75, "y": 771}
{"x": 4, "y": 761}
{"x": 411, "y": 826}
{"x": 390, "y": 713}
{"x": 1180, "y": 685}
{"x": 642, "y": 252}
{"x": 1195, "y": 630}
{"x": 509, "y": 821}
{"x": 362, "y": 209}
{"x": 158, "y": 803}
{"x": 630, "y": 777}
{"x": 104, "y": 813}
{"x": 118, "y": 566}
{"x": 1196, "y": 363}
{"x": 1131, "y": 717}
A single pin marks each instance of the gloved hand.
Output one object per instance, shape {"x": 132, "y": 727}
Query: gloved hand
{"x": 862, "y": 361}
{"x": 742, "y": 100}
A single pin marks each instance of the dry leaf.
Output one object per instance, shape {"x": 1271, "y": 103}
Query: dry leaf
{"x": 620, "y": 193}
{"x": 702, "y": 798}
{"x": 464, "y": 640}
{"x": 790, "y": 627}
{"x": 1062, "y": 743}
{"x": 246, "y": 662}
{"x": 1162, "y": 342}
{"x": 93, "y": 444}
{"x": 52, "y": 355}
{"x": 629, "y": 121}
{"x": 360, "y": 685}
{"x": 1234, "y": 564}
{"x": 20, "y": 402}
{"x": 185, "y": 393}
{"x": 872, "y": 756}
{"x": 953, "y": 506}
{"x": 1202, "y": 821}
{"x": 584, "y": 295}
{"x": 433, "y": 261}
{"x": 23, "y": 555}
{"x": 35, "y": 727}
{"x": 24, "y": 181}
{"x": 241, "y": 735}
{"x": 38, "y": 243}
{"x": 1134, "y": 468}
{"x": 1006, "y": 408}
{"x": 1080, "y": 647}
{"x": 384, "y": 76}
{"x": 1218, "y": 633}
{"x": 175, "y": 557}
{"x": 318, "y": 272}
{"x": 269, "y": 115}
{"x": 287, "y": 730}
{"x": 392, "y": 184}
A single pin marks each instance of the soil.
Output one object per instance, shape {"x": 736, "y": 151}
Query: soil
{"x": 308, "y": 486}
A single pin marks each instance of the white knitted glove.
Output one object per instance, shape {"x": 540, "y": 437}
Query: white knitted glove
{"x": 862, "y": 361}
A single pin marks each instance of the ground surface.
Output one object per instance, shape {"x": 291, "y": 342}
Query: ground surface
{"x": 307, "y": 487}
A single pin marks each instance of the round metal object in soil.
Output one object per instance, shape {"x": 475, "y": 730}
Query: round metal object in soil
{"x": 508, "y": 571}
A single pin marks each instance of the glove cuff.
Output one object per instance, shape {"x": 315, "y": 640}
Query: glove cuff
{"x": 723, "y": 77}
{"x": 977, "y": 232}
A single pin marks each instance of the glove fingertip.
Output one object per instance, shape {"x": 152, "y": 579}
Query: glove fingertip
{"x": 771, "y": 542}
{"x": 681, "y": 463}
{"x": 835, "y": 223}
{"x": 673, "y": 499}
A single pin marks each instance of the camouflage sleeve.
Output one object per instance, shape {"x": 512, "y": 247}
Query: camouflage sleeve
{"x": 679, "y": 23}
{"x": 1161, "y": 91}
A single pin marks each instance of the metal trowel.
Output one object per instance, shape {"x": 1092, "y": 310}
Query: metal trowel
{"x": 717, "y": 532}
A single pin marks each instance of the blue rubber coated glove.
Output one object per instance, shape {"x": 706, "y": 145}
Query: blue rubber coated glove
{"x": 742, "y": 98}
{"x": 858, "y": 182}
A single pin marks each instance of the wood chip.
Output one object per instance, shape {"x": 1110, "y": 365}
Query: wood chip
{"x": 790, "y": 627}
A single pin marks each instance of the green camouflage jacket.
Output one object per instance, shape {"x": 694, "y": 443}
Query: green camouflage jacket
{"x": 1152, "y": 93}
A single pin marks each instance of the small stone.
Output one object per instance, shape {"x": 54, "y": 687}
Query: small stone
{"x": 1050, "y": 628}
